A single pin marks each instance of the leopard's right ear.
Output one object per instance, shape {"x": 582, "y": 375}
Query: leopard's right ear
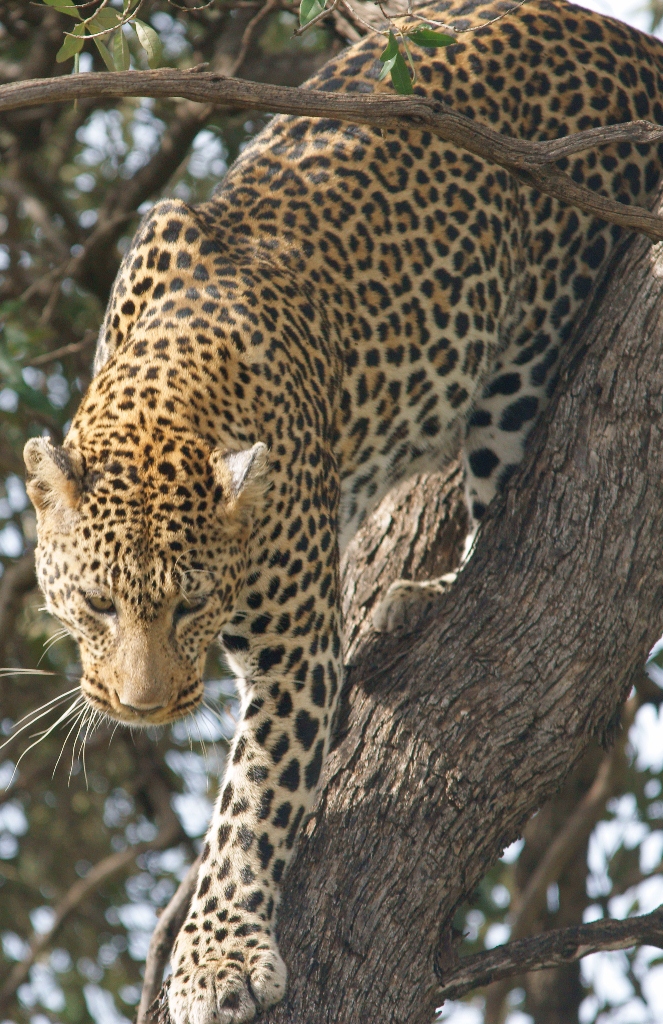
{"x": 54, "y": 474}
{"x": 241, "y": 474}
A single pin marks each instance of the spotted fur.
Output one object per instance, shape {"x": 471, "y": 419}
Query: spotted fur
{"x": 271, "y": 363}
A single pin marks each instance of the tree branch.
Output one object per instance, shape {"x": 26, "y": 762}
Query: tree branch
{"x": 417, "y": 530}
{"x": 549, "y": 949}
{"x": 96, "y": 265}
{"x": 163, "y": 937}
{"x": 531, "y": 162}
{"x": 74, "y": 347}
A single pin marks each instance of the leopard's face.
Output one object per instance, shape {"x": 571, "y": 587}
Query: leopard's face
{"x": 143, "y": 569}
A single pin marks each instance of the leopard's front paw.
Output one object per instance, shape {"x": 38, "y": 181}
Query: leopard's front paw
{"x": 407, "y": 601}
{"x": 225, "y": 986}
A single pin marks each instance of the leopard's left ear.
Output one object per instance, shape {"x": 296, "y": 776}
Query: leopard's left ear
{"x": 54, "y": 474}
{"x": 241, "y": 474}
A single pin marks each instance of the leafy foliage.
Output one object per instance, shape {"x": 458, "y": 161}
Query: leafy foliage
{"x": 106, "y": 27}
{"x": 65, "y": 174}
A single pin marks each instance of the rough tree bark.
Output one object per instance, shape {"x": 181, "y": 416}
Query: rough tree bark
{"x": 450, "y": 738}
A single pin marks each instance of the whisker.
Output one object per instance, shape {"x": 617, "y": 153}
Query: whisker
{"x": 76, "y": 721}
{"x": 216, "y": 718}
{"x": 33, "y": 716}
{"x": 86, "y": 733}
{"x": 213, "y": 716}
{"x": 86, "y": 712}
{"x": 103, "y": 718}
{"x": 212, "y": 711}
{"x": 52, "y": 641}
{"x": 58, "y": 633}
{"x": 88, "y": 727}
{"x": 26, "y": 672}
{"x": 202, "y": 743}
{"x": 65, "y": 714}
{"x": 42, "y": 736}
{"x": 60, "y": 696}
{"x": 94, "y": 723}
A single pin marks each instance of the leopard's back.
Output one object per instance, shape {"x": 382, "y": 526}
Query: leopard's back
{"x": 437, "y": 269}
{"x": 444, "y": 290}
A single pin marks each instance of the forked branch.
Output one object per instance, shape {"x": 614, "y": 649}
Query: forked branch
{"x": 530, "y": 162}
{"x": 550, "y": 949}
{"x": 163, "y": 937}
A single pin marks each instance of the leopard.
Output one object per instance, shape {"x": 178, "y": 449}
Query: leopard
{"x": 272, "y": 361}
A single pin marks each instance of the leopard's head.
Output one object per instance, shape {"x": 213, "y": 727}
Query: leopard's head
{"x": 141, "y": 554}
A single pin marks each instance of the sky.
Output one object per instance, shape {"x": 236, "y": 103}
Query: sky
{"x": 634, "y": 13}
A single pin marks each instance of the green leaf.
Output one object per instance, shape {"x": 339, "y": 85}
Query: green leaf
{"x": 104, "y": 21}
{"x": 394, "y": 64}
{"x": 149, "y": 40}
{"x": 65, "y": 7}
{"x": 423, "y": 36}
{"x": 105, "y": 55}
{"x": 72, "y": 45}
{"x": 310, "y": 9}
{"x": 121, "y": 54}
{"x": 390, "y": 51}
{"x": 400, "y": 76}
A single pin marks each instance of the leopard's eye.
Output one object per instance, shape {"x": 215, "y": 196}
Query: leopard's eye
{"x": 101, "y": 604}
{"x": 189, "y": 605}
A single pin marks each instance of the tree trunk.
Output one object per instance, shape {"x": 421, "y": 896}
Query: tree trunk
{"x": 450, "y": 738}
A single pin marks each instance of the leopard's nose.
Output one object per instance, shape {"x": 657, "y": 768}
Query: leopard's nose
{"x": 139, "y": 709}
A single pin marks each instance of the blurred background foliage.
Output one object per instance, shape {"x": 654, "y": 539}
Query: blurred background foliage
{"x": 91, "y": 851}
{"x": 123, "y": 811}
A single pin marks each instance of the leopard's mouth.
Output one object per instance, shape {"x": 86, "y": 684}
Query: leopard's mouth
{"x": 108, "y": 703}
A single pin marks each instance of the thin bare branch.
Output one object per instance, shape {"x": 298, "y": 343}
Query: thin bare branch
{"x": 550, "y": 949}
{"x": 163, "y": 937}
{"x": 66, "y": 350}
{"x": 249, "y": 33}
{"x": 530, "y": 162}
